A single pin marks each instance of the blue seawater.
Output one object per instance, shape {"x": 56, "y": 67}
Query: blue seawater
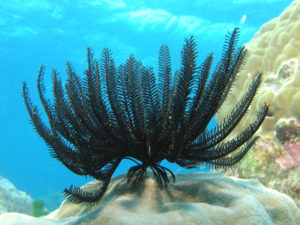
{"x": 51, "y": 32}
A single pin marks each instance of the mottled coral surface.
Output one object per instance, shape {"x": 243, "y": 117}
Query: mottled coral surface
{"x": 274, "y": 51}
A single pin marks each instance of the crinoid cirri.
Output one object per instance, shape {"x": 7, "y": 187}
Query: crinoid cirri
{"x": 126, "y": 112}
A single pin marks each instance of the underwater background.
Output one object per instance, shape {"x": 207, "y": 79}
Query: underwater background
{"x": 36, "y": 32}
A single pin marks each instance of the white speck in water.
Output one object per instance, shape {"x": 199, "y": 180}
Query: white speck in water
{"x": 243, "y": 19}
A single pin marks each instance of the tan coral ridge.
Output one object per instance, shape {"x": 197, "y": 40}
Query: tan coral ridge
{"x": 275, "y": 51}
{"x": 198, "y": 198}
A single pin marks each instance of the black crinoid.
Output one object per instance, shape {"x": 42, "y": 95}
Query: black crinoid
{"x": 124, "y": 112}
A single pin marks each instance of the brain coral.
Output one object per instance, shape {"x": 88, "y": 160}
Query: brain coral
{"x": 275, "y": 51}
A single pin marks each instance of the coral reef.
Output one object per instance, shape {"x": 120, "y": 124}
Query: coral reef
{"x": 287, "y": 130}
{"x": 268, "y": 164}
{"x": 288, "y": 133}
{"x": 13, "y": 200}
{"x": 200, "y": 198}
{"x": 274, "y": 50}
{"x": 291, "y": 156}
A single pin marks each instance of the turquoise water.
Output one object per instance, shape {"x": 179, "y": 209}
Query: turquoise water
{"x": 35, "y": 32}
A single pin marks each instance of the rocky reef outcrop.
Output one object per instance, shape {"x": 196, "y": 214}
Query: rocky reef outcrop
{"x": 12, "y": 199}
